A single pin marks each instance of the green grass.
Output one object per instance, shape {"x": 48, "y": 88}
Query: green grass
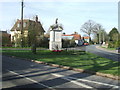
{"x": 109, "y": 48}
{"x": 16, "y": 47}
{"x": 23, "y": 47}
{"x": 73, "y": 59}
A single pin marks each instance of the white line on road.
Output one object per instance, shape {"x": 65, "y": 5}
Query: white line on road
{"x": 62, "y": 76}
{"x": 31, "y": 80}
{"x": 73, "y": 81}
{"x": 114, "y": 86}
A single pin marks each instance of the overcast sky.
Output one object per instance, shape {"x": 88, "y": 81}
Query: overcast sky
{"x": 72, "y": 14}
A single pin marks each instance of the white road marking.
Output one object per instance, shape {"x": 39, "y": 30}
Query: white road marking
{"x": 73, "y": 81}
{"x": 62, "y": 76}
{"x": 114, "y": 86}
{"x": 31, "y": 80}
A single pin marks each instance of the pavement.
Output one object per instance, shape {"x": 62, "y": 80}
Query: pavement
{"x": 104, "y": 49}
{"x": 19, "y": 73}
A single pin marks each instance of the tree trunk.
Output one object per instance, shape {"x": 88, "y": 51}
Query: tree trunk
{"x": 89, "y": 39}
{"x": 33, "y": 48}
{"x": 97, "y": 38}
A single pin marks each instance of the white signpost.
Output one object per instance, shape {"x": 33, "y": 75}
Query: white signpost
{"x": 55, "y": 36}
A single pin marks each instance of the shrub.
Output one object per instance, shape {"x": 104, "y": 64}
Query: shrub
{"x": 117, "y": 44}
{"x": 111, "y": 44}
{"x": 114, "y": 44}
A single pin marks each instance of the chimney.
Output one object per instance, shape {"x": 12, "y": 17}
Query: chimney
{"x": 75, "y": 33}
{"x": 36, "y": 18}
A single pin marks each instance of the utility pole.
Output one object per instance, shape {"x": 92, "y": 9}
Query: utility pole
{"x": 22, "y": 23}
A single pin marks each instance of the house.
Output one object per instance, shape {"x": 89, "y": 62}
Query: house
{"x": 6, "y": 38}
{"x": 28, "y": 26}
{"x": 75, "y": 36}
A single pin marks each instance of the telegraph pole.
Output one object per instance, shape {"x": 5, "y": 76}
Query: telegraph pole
{"x": 22, "y": 23}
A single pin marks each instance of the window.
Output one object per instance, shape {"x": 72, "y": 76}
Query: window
{"x": 25, "y": 24}
{"x": 18, "y": 25}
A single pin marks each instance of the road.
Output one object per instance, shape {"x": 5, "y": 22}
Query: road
{"x": 102, "y": 53}
{"x": 18, "y": 73}
{"x": 105, "y": 54}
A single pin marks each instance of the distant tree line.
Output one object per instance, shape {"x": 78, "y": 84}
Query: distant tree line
{"x": 100, "y": 35}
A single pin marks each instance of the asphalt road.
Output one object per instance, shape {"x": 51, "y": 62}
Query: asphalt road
{"x": 99, "y": 52}
{"x": 18, "y": 73}
{"x": 105, "y": 54}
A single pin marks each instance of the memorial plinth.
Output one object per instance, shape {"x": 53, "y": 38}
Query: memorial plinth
{"x": 55, "y": 42}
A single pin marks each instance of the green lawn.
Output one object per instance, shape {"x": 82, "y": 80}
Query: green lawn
{"x": 23, "y": 47}
{"x": 109, "y": 48}
{"x": 74, "y": 59}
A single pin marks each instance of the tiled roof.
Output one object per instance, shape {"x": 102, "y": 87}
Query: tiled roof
{"x": 29, "y": 23}
{"x": 86, "y": 37}
{"x": 76, "y": 36}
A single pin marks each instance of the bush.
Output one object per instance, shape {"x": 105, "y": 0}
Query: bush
{"x": 65, "y": 43}
{"x": 114, "y": 44}
{"x": 91, "y": 42}
{"x": 117, "y": 44}
{"x": 72, "y": 43}
{"x": 43, "y": 42}
{"x": 68, "y": 43}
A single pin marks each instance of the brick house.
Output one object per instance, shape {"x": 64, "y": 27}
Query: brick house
{"x": 28, "y": 26}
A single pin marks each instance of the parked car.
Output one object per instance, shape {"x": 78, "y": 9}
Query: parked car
{"x": 86, "y": 43}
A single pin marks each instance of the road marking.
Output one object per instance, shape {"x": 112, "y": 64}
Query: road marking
{"x": 114, "y": 86}
{"x": 62, "y": 76}
{"x": 31, "y": 80}
{"x": 73, "y": 81}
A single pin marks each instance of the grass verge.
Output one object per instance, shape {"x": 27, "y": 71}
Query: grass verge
{"x": 109, "y": 48}
{"x": 75, "y": 59}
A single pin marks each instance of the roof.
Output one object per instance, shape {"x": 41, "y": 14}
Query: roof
{"x": 86, "y": 37}
{"x": 30, "y": 23}
{"x": 75, "y": 36}
{"x": 68, "y": 37}
{"x": 56, "y": 27}
{"x": 4, "y": 33}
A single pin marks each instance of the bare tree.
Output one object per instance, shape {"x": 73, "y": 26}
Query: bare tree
{"x": 88, "y": 27}
{"x": 98, "y": 30}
